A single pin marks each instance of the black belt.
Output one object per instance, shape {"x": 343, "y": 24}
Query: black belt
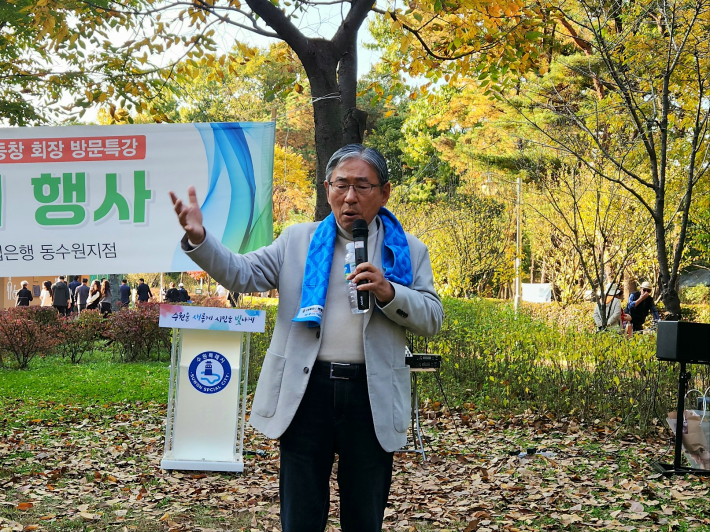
{"x": 336, "y": 370}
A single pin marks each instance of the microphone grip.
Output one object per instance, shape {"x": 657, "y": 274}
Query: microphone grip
{"x": 363, "y": 296}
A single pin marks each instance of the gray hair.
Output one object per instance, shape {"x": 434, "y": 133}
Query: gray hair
{"x": 357, "y": 151}
{"x": 24, "y": 283}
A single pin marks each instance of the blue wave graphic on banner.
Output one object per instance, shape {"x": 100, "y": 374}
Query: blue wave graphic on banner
{"x": 237, "y": 208}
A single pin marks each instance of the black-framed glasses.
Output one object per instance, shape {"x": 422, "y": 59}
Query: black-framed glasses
{"x": 361, "y": 189}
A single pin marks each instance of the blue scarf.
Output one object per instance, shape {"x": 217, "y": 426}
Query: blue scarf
{"x": 396, "y": 262}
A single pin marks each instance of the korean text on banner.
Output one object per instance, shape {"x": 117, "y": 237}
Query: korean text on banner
{"x": 95, "y": 198}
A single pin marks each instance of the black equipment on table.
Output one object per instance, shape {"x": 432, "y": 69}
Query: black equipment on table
{"x": 423, "y": 362}
{"x": 687, "y": 343}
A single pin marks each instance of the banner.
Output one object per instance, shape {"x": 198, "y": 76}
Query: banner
{"x": 95, "y": 198}
{"x": 537, "y": 292}
{"x": 212, "y": 318}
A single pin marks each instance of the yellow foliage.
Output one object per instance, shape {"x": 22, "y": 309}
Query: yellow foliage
{"x": 293, "y": 189}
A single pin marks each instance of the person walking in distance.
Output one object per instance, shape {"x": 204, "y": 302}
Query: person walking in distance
{"x": 184, "y": 296}
{"x": 61, "y": 297}
{"x": 105, "y": 300}
{"x": 24, "y": 296}
{"x": 143, "y": 292}
{"x": 73, "y": 285}
{"x": 333, "y": 381}
{"x": 45, "y": 296}
{"x": 92, "y": 303}
{"x": 172, "y": 295}
{"x": 124, "y": 292}
{"x": 81, "y": 294}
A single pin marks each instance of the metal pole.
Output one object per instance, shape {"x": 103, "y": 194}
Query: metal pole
{"x": 683, "y": 379}
{"x": 518, "y": 287}
{"x": 245, "y": 364}
{"x": 172, "y": 393}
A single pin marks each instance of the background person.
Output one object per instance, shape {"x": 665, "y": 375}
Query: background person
{"x": 615, "y": 315}
{"x": 105, "y": 300}
{"x": 641, "y": 305}
{"x": 81, "y": 294}
{"x": 24, "y": 296}
{"x": 73, "y": 285}
{"x": 45, "y": 296}
{"x": 61, "y": 297}
{"x": 124, "y": 292}
{"x": 143, "y": 292}
{"x": 339, "y": 385}
{"x": 92, "y": 303}
{"x": 172, "y": 295}
{"x": 184, "y": 296}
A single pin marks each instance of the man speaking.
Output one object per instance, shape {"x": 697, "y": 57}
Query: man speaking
{"x": 333, "y": 381}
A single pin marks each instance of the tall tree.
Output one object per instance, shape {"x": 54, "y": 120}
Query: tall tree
{"x": 488, "y": 30}
{"x": 330, "y": 63}
{"x": 641, "y": 117}
{"x": 644, "y": 123}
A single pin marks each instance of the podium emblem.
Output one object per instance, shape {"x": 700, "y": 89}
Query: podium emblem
{"x": 209, "y": 372}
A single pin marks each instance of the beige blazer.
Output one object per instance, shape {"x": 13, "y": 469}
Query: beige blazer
{"x": 294, "y": 347}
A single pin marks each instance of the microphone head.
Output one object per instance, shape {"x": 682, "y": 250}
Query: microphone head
{"x": 360, "y": 229}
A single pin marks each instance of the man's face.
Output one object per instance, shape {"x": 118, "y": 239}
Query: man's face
{"x": 350, "y": 205}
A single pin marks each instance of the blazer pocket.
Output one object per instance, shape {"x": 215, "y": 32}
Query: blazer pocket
{"x": 401, "y": 398}
{"x": 269, "y": 386}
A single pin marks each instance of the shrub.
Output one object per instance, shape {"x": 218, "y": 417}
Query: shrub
{"x": 78, "y": 336}
{"x": 210, "y": 301}
{"x": 136, "y": 332}
{"x": 577, "y": 315}
{"x": 695, "y": 295}
{"x": 499, "y": 361}
{"x": 44, "y": 316}
{"x": 260, "y": 341}
{"x": 23, "y": 337}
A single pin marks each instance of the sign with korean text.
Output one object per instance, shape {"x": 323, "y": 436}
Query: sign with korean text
{"x": 212, "y": 318}
{"x": 95, "y": 198}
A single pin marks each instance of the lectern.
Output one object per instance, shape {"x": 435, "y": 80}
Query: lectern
{"x": 209, "y": 369}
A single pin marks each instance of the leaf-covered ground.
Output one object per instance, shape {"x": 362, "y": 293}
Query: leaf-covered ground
{"x": 98, "y": 468}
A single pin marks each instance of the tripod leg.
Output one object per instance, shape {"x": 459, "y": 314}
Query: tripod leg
{"x": 683, "y": 379}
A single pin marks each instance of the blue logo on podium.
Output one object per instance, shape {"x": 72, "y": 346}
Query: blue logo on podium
{"x": 209, "y": 372}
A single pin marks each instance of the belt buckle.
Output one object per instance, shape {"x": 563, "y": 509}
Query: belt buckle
{"x": 331, "y": 371}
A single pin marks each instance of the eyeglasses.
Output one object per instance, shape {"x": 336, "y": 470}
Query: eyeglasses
{"x": 361, "y": 189}
{"x": 646, "y": 290}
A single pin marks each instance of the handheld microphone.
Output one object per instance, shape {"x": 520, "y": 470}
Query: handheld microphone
{"x": 360, "y": 233}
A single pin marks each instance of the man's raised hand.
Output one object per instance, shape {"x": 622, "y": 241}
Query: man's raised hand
{"x": 190, "y": 215}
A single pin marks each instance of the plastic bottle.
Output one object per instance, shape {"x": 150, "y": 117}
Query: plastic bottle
{"x": 350, "y": 268}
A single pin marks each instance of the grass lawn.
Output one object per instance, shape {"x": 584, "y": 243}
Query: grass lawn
{"x": 80, "y": 449}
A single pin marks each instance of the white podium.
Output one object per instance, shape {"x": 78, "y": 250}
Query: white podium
{"x": 209, "y": 369}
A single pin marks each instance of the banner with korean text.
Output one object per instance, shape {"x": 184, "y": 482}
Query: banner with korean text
{"x": 95, "y": 198}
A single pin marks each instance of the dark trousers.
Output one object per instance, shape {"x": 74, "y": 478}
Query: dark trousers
{"x": 62, "y": 309}
{"x": 333, "y": 417}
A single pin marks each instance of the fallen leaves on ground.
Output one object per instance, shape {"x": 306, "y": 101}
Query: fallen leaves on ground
{"x": 100, "y": 466}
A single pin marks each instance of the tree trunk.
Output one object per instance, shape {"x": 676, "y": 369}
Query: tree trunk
{"x": 331, "y": 67}
{"x": 337, "y": 120}
{"x": 114, "y": 281}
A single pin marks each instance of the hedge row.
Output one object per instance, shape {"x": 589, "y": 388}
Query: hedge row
{"x": 26, "y": 332}
{"x": 492, "y": 359}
